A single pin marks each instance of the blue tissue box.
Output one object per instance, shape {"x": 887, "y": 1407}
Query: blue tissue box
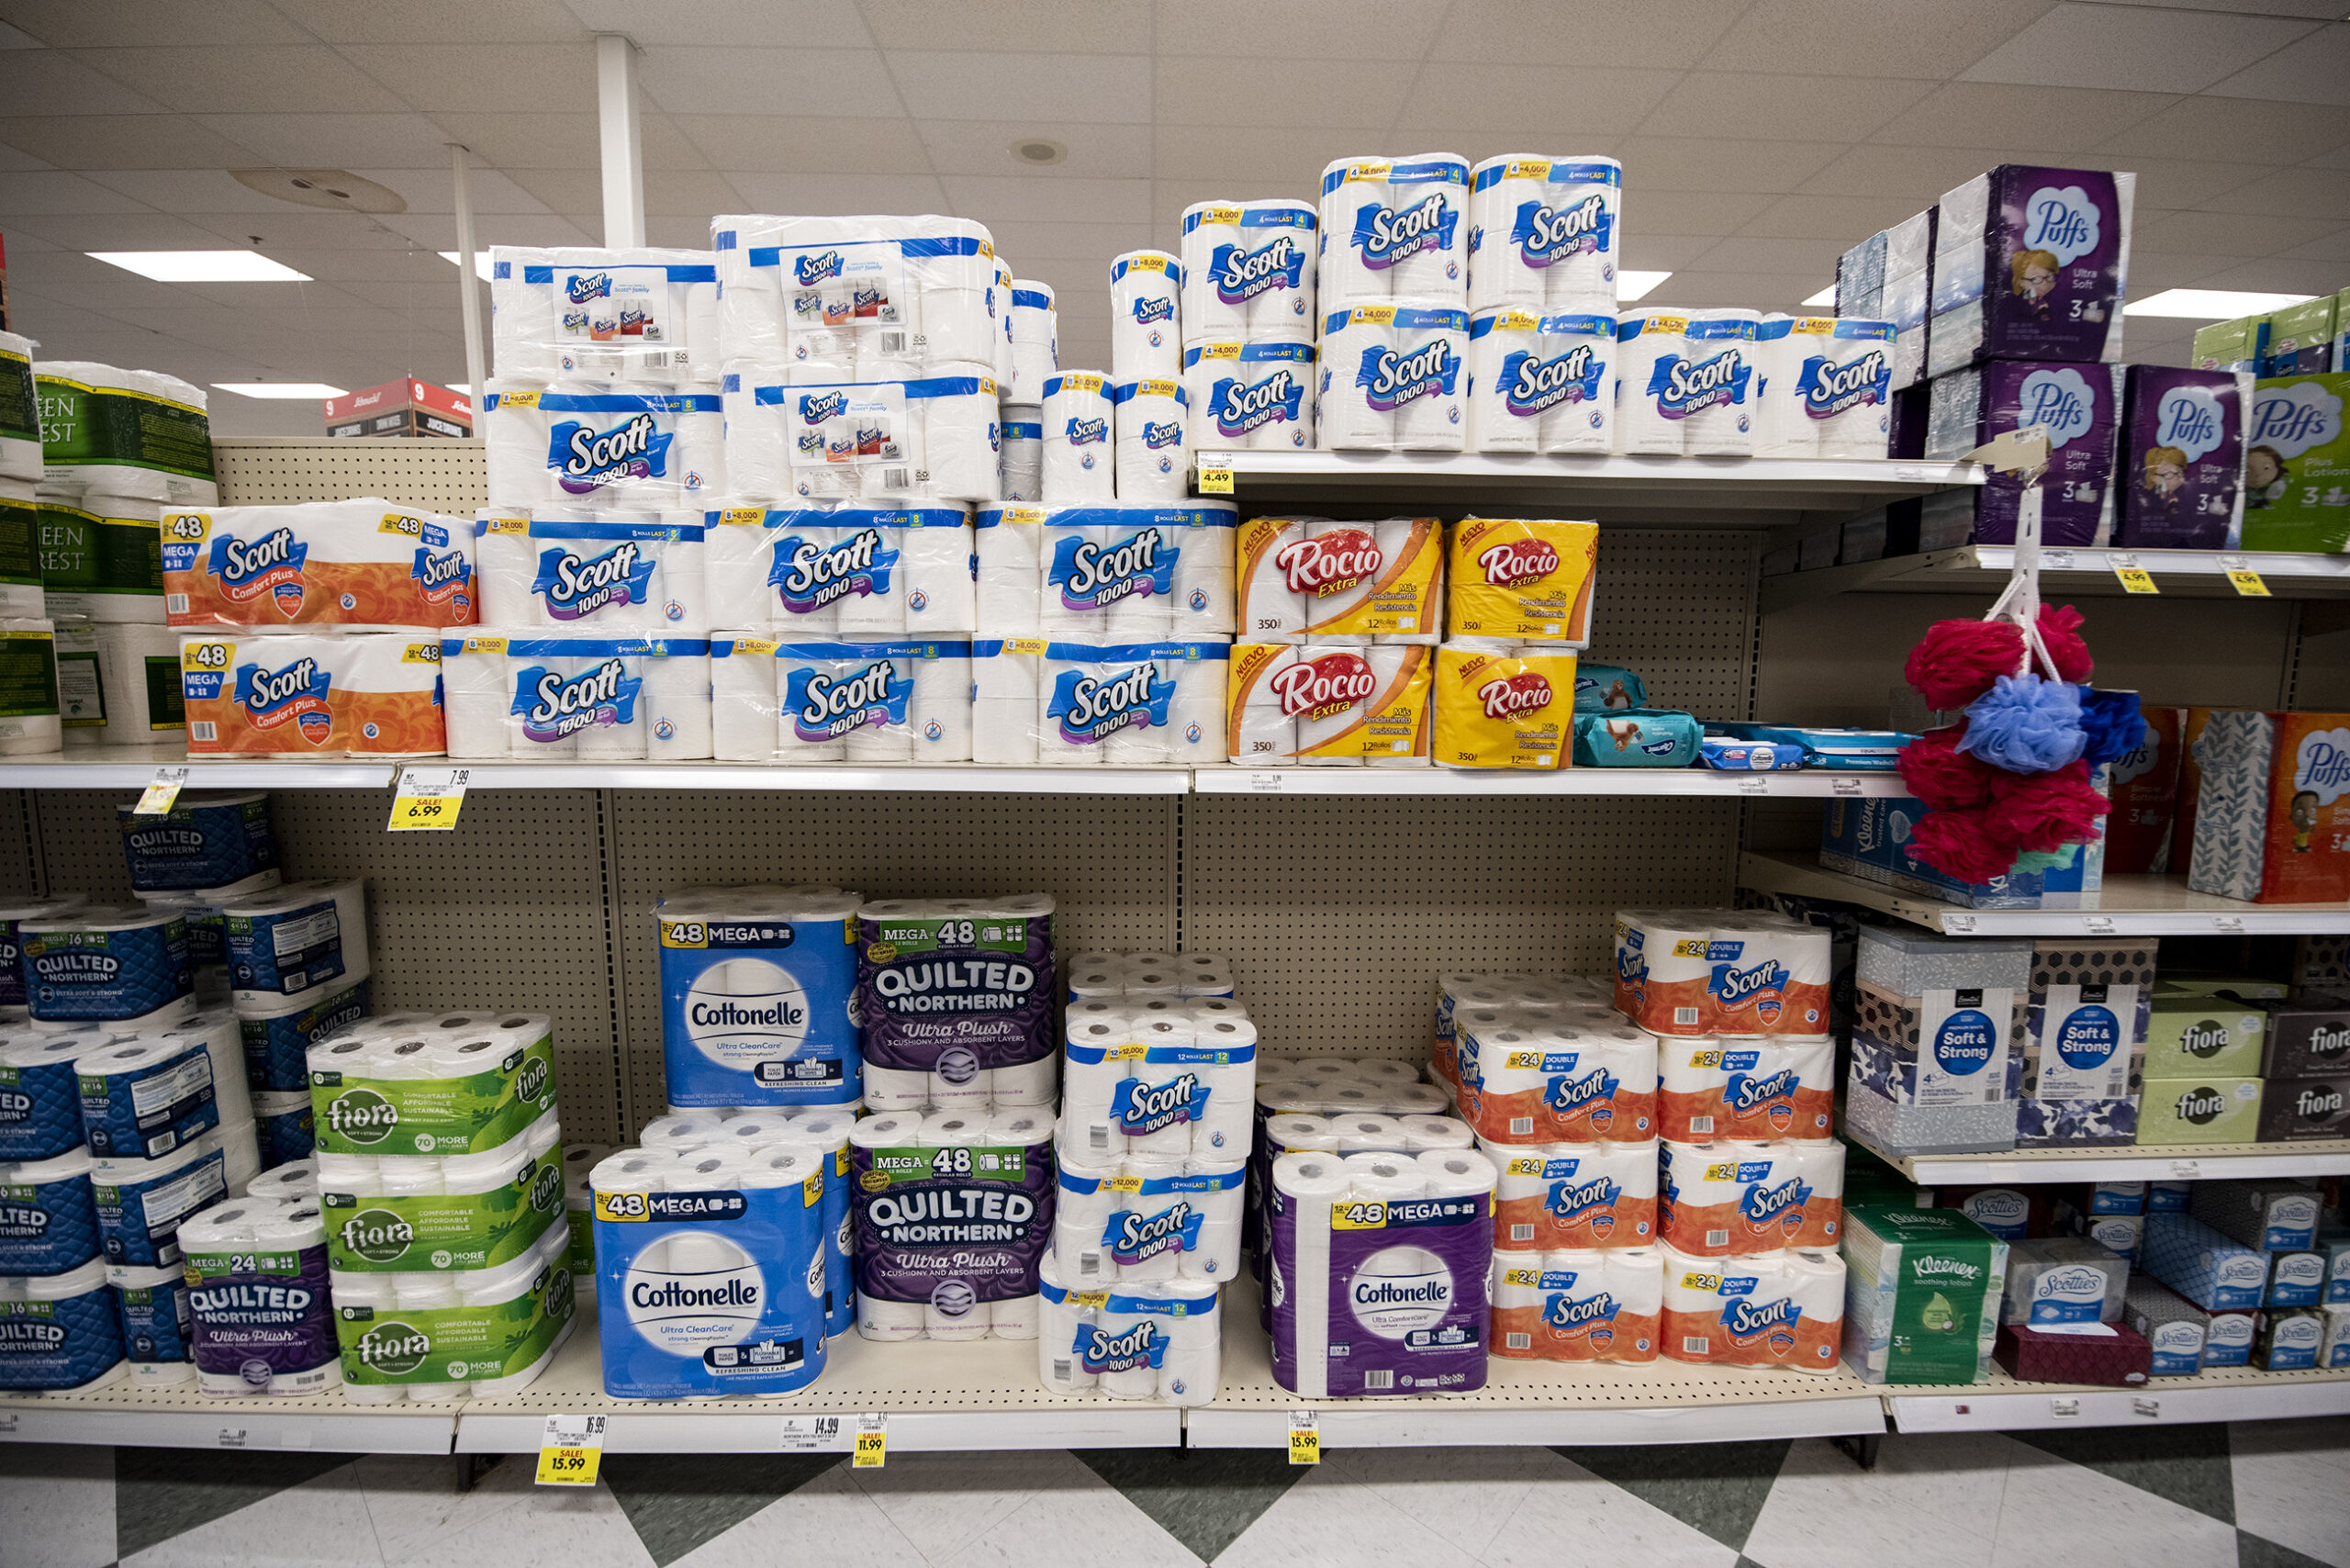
{"x": 2201, "y": 1264}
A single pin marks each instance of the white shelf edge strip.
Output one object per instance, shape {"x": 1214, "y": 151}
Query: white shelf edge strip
{"x": 654, "y": 1429}
{"x": 2177, "y": 1400}
{"x": 1372, "y": 1423}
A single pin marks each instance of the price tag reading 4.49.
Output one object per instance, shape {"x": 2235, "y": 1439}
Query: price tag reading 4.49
{"x": 1214, "y": 480}
{"x": 428, "y": 800}
{"x": 571, "y": 1450}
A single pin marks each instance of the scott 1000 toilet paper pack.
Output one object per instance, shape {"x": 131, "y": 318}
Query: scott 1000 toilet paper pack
{"x": 882, "y": 442}
{"x": 1091, "y": 705}
{"x": 1107, "y": 574}
{"x": 820, "y": 571}
{"x": 637, "y": 450}
{"x": 636, "y": 316}
{"x": 862, "y": 298}
{"x": 860, "y": 702}
{"x": 575, "y": 572}
{"x": 514, "y": 693}
{"x": 1248, "y": 271}
{"x": 1544, "y": 233}
{"x": 758, "y": 991}
{"x": 1160, "y": 1340}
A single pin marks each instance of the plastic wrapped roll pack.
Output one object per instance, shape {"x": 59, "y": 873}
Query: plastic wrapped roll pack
{"x": 884, "y": 442}
{"x": 632, "y": 315}
{"x": 59, "y": 1333}
{"x": 631, "y": 451}
{"x": 820, "y": 571}
{"x": 314, "y": 694}
{"x": 953, "y": 1215}
{"x": 365, "y": 563}
{"x": 811, "y": 702}
{"x": 218, "y": 841}
{"x": 578, "y": 572}
{"x": 260, "y": 1321}
{"x": 1106, "y": 574}
{"x": 865, "y": 299}
{"x": 1160, "y": 1340}
{"x": 758, "y": 997}
{"x": 1081, "y": 704}
{"x": 511, "y": 692}
{"x": 986, "y": 963}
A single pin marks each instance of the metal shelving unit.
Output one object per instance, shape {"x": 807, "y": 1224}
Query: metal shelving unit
{"x": 2153, "y": 1162}
{"x": 2065, "y": 573}
{"x": 2218, "y": 1393}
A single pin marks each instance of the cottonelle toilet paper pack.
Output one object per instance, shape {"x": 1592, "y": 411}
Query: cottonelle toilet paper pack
{"x": 1106, "y": 574}
{"x": 936, "y": 439}
{"x": 1248, "y": 271}
{"x": 822, "y": 569}
{"x": 511, "y": 693}
{"x": 1545, "y": 232}
{"x": 856, "y": 702}
{"x": 1392, "y": 378}
{"x": 648, "y": 450}
{"x": 1540, "y": 383}
{"x": 758, "y": 996}
{"x": 319, "y": 694}
{"x": 579, "y": 572}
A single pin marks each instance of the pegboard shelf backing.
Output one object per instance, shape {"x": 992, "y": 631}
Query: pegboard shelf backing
{"x": 443, "y": 475}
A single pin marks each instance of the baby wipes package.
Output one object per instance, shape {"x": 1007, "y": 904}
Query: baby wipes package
{"x": 357, "y": 563}
{"x": 319, "y": 694}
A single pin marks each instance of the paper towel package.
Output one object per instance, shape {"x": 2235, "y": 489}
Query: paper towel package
{"x": 1161, "y": 1340}
{"x": 2179, "y": 467}
{"x": 118, "y": 684}
{"x": 1378, "y": 1273}
{"x": 364, "y": 563}
{"x": 858, "y": 298}
{"x": 958, "y": 1000}
{"x": 1721, "y": 973}
{"x": 1824, "y": 386}
{"x": 1249, "y": 393}
{"x": 1786, "y": 1310}
{"x": 759, "y": 996}
{"x": 1540, "y": 383}
{"x": 709, "y": 1272}
{"x": 1581, "y": 1078}
{"x": 635, "y": 316}
{"x": 2031, "y": 264}
{"x": 820, "y": 570}
{"x": 123, "y": 433}
{"x": 444, "y": 1085}
{"x": 100, "y": 556}
{"x": 1578, "y": 1305}
{"x": 1522, "y": 580}
{"x": 1083, "y": 704}
{"x": 106, "y": 963}
{"x": 1394, "y": 379}
{"x": 313, "y": 694}
{"x": 1937, "y": 1035}
{"x": 1723, "y": 1200}
{"x": 1575, "y": 1196}
{"x": 1745, "y": 1089}
{"x": 955, "y": 1214}
{"x": 936, "y": 438}
{"x": 1106, "y": 574}
{"x": 19, "y": 410}
{"x": 1394, "y": 229}
{"x": 1921, "y": 1295}
{"x": 1327, "y": 705}
{"x": 1145, "y": 316}
{"x": 1147, "y": 1219}
{"x": 1305, "y": 579}
{"x": 59, "y": 1332}
{"x": 1501, "y": 705}
{"x": 2081, "y": 406}
{"x": 2060, "y": 1279}
{"x": 1545, "y": 232}
{"x": 529, "y": 693}
{"x": 2271, "y": 823}
{"x": 584, "y": 572}
{"x": 1248, "y": 271}
{"x": 218, "y": 840}
{"x": 260, "y": 1319}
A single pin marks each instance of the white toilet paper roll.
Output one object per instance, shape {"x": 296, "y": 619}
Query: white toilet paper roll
{"x": 1036, "y": 340}
{"x": 1079, "y": 454}
{"x": 1008, "y": 593}
{"x": 118, "y": 684}
{"x": 1251, "y": 394}
{"x": 1713, "y": 388}
{"x": 1024, "y": 454}
{"x": 1145, "y": 316}
{"x": 1649, "y": 346}
{"x": 1248, "y": 270}
{"x": 1153, "y": 465}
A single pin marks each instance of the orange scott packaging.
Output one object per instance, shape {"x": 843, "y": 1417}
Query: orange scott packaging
{"x": 317, "y": 695}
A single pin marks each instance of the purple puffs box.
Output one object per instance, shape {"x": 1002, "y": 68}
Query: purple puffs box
{"x": 2180, "y": 482}
{"x": 2031, "y": 264}
{"x": 2081, "y": 406}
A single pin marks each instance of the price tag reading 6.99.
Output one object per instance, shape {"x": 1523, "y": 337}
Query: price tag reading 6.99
{"x": 428, "y": 800}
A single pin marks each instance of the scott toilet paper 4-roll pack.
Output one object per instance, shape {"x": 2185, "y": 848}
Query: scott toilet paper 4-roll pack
{"x": 1248, "y": 271}
{"x": 1539, "y": 382}
{"x": 1394, "y": 229}
{"x": 1393, "y": 378}
{"x": 1079, "y": 704}
{"x": 806, "y": 702}
{"x": 631, "y": 316}
{"x": 1544, "y": 233}
{"x": 936, "y": 439}
{"x": 1250, "y": 393}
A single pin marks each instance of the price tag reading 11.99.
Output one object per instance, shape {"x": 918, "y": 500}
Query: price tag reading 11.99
{"x": 428, "y": 800}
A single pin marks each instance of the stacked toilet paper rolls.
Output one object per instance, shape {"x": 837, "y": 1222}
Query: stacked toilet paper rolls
{"x": 430, "y": 1338}
{"x": 1825, "y": 386}
{"x": 1337, "y": 1104}
{"x": 296, "y": 1179}
{"x": 1523, "y": 991}
{"x": 645, "y": 450}
{"x": 1145, "y": 316}
{"x": 1108, "y": 574}
{"x": 953, "y": 1215}
{"x": 1781, "y": 1311}
{"x": 65, "y": 1332}
{"x": 1720, "y": 971}
{"x": 1327, "y": 705}
{"x": 136, "y": 434}
{"x": 142, "y": 1202}
{"x": 1248, "y": 271}
{"x": 576, "y": 571}
{"x": 628, "y": 315}
{"x": 887, "y": 441}
{"x": 821, "y": 569}
{"x": 1024, "y": 454}
{"x": 19, "y": 410}
{"x": 1179, "y": 1084}
{"x": 528, "y": 692}
{"x": 985, "y": 964}
{"x": 1316, "y": 580}
{"x": 857, "y": 298}
{"x": 1395, "y": 228}
{"x": 284, "y": 1126}
{"x": 1544, "y": 233}
{"x": 1152, "y": 417}
{"x": 1393, "y": 378}
{"x": 363, "y": 563}
{"x": 261, "y": 1320}
{"x": 207, "y": 936}
{"x": 1731, "y": 1088}
{"x": 1161, "y": 1340}
{"x": 1540, "y": 383}
{"x": 22, "y": 596}
{"x": 1151, "y": 978}
{"x": 30, "y": 723}
{"x": 211, "y": 840}
{"x": 1500, "y": 704}
{"x": 277, "y": 1035}
{"x": 1522, "y": 580}
{"x": 97, "y": 553}
{"x": 118, "y": 684}
{"x": 860, "y": 703}
{"x": 1081, "y": 704}
{"x": 1080, "y": 454}
{"x": 443, "y": 1085}
{"x": 1142, "y": 1218}
{"x": 1036, "y": 340}
{"x": 758, "y": 996}
{"x": 1581, "y": 1075}
{"x": 122, "y": 965}
{"x": 40, "y": 1114}
{"x": 1566, "y": 1305}
{"x": 312, "y": 694}
{"x": 295, "y": 939}
{"x": 579, "y": 1205}
{"x": 1650, "y": 344}
{"x": 820, "y": 1132}
{"x": 1685, "y": 382}
{"x": 1725, "y": 1200}
{"x": 1252, "y": 393}
{"x": 152, "y": 1304}
{"x": 53, "y": 1215}
{"x": 1584, "y": 1196}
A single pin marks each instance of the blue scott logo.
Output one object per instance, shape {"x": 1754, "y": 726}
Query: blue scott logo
{"x": 1566, "y": 1312}
{"x": 816, "y": 407}
{"x": 1092, "y": 575}
{"x": 553, "y": 706}
{"x": 1386, "y": 236}
{"x": 1241, "y": 275}
{"x": 1568, "y": 1199}
{"x": 1593, "y": 1091}
{"x": 1748, "y": 1320}
{"x": 826, "y": 706}
{"x": 1091, "y": 709}
{"x": 1391, "y": 379}
{"x": 1828, "y": 388}
{"x": 1767, "y": 1206}
{"x": 1760, "y": 987}
{"x": 586, "y": 461}
{"x": 1241, "y": 408}
{"x": 1142, "y": 1108}
{"x": 1683, "y": 387}
{"x": 815, "y": 266}
{"x": 1083, "y": 433}
{"x": 270, "y": 564}
{"x": 808, "y": 574}
{"x": 1532, "y": 385}
{"x": 440, "y": 576}
{"x": 581, "y": 288}
{"x": 1152, "y": 307}
{"x": 1160, "y": 434}
{"x": 1544, "y": 235}
{"x": 574, "y": 588}
{"x": 1744, "y": 1095}
{"x": 1132, "y": 1238}
{"x": 1100, "y": 1351}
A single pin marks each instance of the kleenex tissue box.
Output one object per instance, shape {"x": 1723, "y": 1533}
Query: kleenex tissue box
{"x": 2061, "y": 1280}
{"x": 2202, "y": 1264}
{"x": 2270, "y": 1216}
{"x": 2117, "y": 1354}
{"x": 1921, "y": 1295}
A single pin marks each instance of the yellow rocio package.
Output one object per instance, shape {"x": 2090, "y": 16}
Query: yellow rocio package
{"x": 1513, "y": 709}
{"x": 1526, "y": 578}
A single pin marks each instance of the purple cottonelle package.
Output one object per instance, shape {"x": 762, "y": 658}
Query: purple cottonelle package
{"x": 2180, "y": 467}
{"x": 2031, "y": 264}
{"x": 957, "y": 986}
{"x": 2081, "y": 406}
{"x": 949, "y": 1238}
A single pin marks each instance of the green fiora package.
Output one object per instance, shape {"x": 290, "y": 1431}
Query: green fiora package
{"x": 516, "y": 1196}
{"x": 414, "y": 1084}
{"x": 2296, "y": 464}
{"x": 492, "y": 1334}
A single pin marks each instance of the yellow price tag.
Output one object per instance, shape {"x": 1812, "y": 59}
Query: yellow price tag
{"x": 2136, "y": 579}
{"x": 571, "y": 1451}
{"x": 158, "y": 797}
{"x": 428, "y": 800}
{"x": 1216, "y": 480}
{"x": 2247, "y": 583}
{"x": 1304, "y": 1437}
{"x": 872, "y": 1450}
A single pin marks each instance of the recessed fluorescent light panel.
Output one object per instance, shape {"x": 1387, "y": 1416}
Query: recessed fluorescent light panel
{"x": 201, "y": 266}
{"x": 282, "y": 391}
{"x": 1825, "y": 296}
{"x": 2211, "y": 304}
{"x": 1630, "y": 287}
{"x": 481, "y": 262}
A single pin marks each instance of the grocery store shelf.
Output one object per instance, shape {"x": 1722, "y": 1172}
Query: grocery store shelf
{"x": 1984, "y": 568}
{"x": 2218, "y": 1393}
{"x": 977, "y": 1395}
{"x": 1531, "y": 1402}
{"x": 905, "y": 778}
{"x": 1706, "y": 492}
{"x": 133, "y": 767}
{"x": 2155, "y": 1162}
{"x": 2129, "y": 906}
{"x": 183, "y": 1418}
{"x": 1658, "y": 781}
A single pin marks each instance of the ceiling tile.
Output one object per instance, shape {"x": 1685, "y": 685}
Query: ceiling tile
{"x": 1652, "y": 252}
{"x": 125, "y": 141}
{"x": 303, "y": 227}
{"x": 2108, "y": 46}
{"x": 1708, "y": 214}
{"x": 984, "y": 147}
{"x": 289, "y": 79}
{"x": 176, "y": 190}
{"x": 2316, "y": 69}
{"x": 1086, "y": 89}
{"x": 438, "y": 231}
{"x": 2287, "y": 193}
{"x": 705, "y": 81}
{"x": 2227, "y": 234}
{"x": 2238, "y": 130}
{"x": 1533, "y": 100}
{"x": 447, "y": 21}
{"x": 1288, "y": 164}
{"x": 50, "y": 192}
{"x": 15, "y": 159}
{"x": 2165, "y": 184}
{"x": 784, "y": 143}
{"x": 1830, "y": 217}
{"x": 1298, "y": 29}
{"x": 688, "y": 193}
{"x": 1672, "y": 163}
{"x": 16, "y": 37}
{"x": 534, "y": 141}
{"x": 360, "y": 272}
{"x": 72, "y": 24}
{"x": 2334, "y": 247}
{"x": 2152, "y": 271}
{"x": 836, "y": 194}
{"x": 1966, "y": 114}
{"x": 338, "y": 140}
{"x": 1928, "y": 40}
{"x": 2280, "y": 274}
{"x": 1098, "y": 26}
{"x": 1663, "y": 34}
{"x": 435, "y": 190}
{"x": 1090, "y": 244}
{"x": 119, "y": 231}
{"x": 571, "y": 190}
{"x": 748, "y": 22}
{"x": 1730, "y": 103}
{"x": 1019, "y": 199}
{"x": 1919, "y": 174}
{"x": 45, "y": 81}
{"x": 1274, "y": 96}
{"x": 50, "y": 321}
{"x": 1739, "y": 254}
{"x": 64, "y": 274}
{"x": 1756, "y": 291}
{"x": 483, "y": 78}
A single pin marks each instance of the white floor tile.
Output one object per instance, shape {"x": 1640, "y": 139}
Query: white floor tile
{"x": 506, "y": 1521}
{"x": 1827, "y": 1512}
{"x": 941, "y": 1502}
{"x": 1067, "y": 1524}
{"x": 2293, "y": 1484}
{"x": 2056, "y": 1511}
{"x": 829, "y": 1521}
{"x": 1327, "y": 1518}
{"x": 1580, "y": 1519}
{"x": 322, "y": 1520}
{"x": 56, "y": 1504}
{"x": 1464, "y": 1494}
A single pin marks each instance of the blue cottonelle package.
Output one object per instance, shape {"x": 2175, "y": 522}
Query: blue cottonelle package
{"x": 208, "y": 839}
{"x": 758, "y": 996}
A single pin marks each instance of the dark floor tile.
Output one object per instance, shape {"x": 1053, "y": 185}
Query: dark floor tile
{"x": 1718, "y": 1488}
{"x": 2254, "y": 1552}
{"x": 160, "y": 1492}
{"x": 676, "y": 1502}
{"x": 2187, "y": 1465}
{"x": 1203, "y": 1497}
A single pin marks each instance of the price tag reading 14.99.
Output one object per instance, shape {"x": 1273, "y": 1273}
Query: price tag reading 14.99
{"x": 428, "y": 800}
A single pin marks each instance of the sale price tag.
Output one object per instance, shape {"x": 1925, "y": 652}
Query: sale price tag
{"x": 872, "y": 1443}
{"x": 428, "y": 800}
{"x": 2134, "y": 577}
{"x": 157, "y": 798}
{"x": 571, "y": 1450}
{"x": 2247, "y": 583}
{"x": 1304, "y": 1437}
{"x": 1214, "y": 479}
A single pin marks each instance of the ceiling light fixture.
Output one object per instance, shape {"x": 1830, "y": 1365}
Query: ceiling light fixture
{"x": 481, "y": 261}
{"x": 2212, "y": 304}
{"x": 200, "y": 266}
{"x": 281, "y": 391}
{"x": 1631, "y": 286}
{"x": 1038, "y": 149}
{"x": 1825, "y": 296}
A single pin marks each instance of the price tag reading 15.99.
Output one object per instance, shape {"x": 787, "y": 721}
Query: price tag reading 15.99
{"x": 428, "y": 800}
{"x": 571, "y": 1450}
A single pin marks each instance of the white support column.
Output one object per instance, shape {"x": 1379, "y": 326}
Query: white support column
{"x": 623, "y": 140}
{"x": 468, "y": 283}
